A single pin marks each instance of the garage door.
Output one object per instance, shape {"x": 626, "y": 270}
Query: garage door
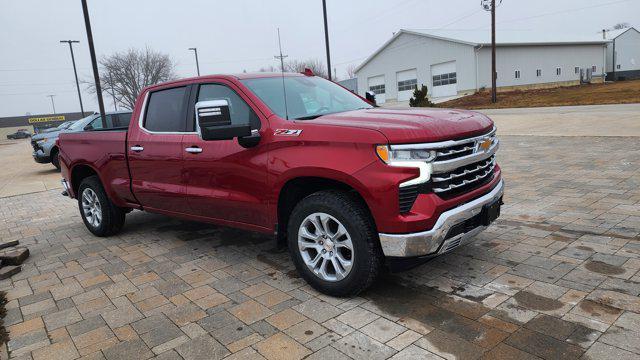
{"x": 444, "y": 80}
{"x": 407, "y": 82}
{"x": 376, "y": 84}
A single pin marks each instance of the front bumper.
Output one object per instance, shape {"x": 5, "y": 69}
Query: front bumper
{"x": 40, "y": 157}
{"x": 437, "y": 240}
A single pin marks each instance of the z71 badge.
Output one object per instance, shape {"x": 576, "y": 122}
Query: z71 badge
{"x": 287, "y": 132}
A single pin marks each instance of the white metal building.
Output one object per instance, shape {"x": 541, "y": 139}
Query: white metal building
{"x": 623, "y": 54}
{"x": 460, "y": 63}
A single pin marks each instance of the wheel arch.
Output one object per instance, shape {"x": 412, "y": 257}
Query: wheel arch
{"x": 297, "y": 188}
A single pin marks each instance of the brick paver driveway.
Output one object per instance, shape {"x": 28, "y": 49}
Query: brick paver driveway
{"x": 556, "y": 277}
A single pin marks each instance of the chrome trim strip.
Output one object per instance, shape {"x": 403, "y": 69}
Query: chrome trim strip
{"x": 428, "y": 242}
{"x": 442, "y": 144}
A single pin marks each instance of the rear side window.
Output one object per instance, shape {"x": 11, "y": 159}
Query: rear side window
{"x": 97, "y": 123}
{"x": 165, "y": 111}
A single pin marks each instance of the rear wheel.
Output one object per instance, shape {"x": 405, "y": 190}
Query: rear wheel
{"x": 55, "y": 159}
{"x": 99, "y": 214}
{"x": 333, "y": 243}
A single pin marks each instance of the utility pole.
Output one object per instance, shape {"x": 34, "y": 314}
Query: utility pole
{"x": 281, "y": 57}
{"x": 326, "y": 37}
{"x": 75, "y": 72}
{"x": 490, "y": 5}
{"x": 195, "y": 50}
{"x": 94, "y": 62}
{"x": 53, "y": 104}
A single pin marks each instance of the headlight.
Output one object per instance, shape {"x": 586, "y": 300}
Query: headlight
{"x": 387, "y": 155}
{"x": 411, "y": 158}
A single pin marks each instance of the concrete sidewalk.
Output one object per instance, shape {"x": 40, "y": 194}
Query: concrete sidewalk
{"x": 592, "y": 120}
{"x": 20, "y": 173}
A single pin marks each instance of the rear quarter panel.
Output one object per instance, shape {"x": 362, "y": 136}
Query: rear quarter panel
{"x": 104, "y": 152}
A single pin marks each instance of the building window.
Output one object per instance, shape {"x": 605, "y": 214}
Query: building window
{"x": 576, "y": 69}
{"x": 377, "y": 89}
{"x": 539, "y": 72}
{"x": 558, "y": 71}
{"x": 618, "y": 66}
{"x": 517, "y": 74}
{"x": 445, "y": 79}
{"x": 406, "y": 85}
{"x": 594, "y": 68}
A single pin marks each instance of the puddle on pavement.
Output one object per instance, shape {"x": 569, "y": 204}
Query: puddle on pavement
{"x": 557, "y": 228}
{"x": 533, "y": 301}
{"x": 598, "y": 309}
{"x": 603, "y": 268}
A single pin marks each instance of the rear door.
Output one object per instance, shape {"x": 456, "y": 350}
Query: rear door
{"x": 225, "y": 180}
{"x": 154, "y": 147}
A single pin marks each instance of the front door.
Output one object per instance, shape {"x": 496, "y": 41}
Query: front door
{"x": 226, "y": 181}
{"x": 154, "y": 147}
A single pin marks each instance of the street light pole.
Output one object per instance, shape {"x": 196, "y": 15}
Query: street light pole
{"x": 326, "y": 37}
{"x": 75, "y": 72}
{"x": 494, "y": 97}
{"x": 53, "y": 104}
{"x": 195, "y": 51}
{"x": 94, "y": 62}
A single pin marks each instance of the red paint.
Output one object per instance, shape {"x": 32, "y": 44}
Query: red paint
{"x": 231, "y": 185}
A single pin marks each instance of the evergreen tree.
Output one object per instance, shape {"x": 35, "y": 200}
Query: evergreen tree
{"x": 420, "y": 98}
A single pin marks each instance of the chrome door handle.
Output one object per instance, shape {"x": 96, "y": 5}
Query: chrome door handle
{"x": 137, "y": 148}
{"x": 193, "y": 150}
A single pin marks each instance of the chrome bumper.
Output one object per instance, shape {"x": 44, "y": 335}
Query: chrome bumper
{"x": 433, "y": 241}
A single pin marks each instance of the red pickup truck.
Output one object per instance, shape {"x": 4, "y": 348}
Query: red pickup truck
{"x": 347, "y": 186}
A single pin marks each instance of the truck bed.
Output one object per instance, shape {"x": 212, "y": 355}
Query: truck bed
{"x": 104, "y": 151}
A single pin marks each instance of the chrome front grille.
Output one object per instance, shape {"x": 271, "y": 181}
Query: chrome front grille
{"x": 466, "y": 176}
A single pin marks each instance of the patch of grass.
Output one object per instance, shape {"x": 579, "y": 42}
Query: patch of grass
{"x": 621, "y": 92}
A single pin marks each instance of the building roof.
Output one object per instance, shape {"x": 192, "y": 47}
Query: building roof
{"x": 613, "y": 34}
{"x": 503, "y": 38}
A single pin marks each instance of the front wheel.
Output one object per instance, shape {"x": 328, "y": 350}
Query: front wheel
{"x": 55, "y": 159}
{"x": 333, "y": 243}
{"x": 101, "y": 216}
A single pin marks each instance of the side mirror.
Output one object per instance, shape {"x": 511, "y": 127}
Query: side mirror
{"x": 370, "y": 96}
{"x": 88, "y": 127}
{"x": 213, "y": 121}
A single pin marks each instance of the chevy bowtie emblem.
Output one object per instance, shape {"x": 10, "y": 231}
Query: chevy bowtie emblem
{"x": 483, "y": 145}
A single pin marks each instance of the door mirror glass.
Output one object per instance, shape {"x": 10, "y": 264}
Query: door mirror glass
{"x": 371, "y": 97}
{"x": 214, "y": 121}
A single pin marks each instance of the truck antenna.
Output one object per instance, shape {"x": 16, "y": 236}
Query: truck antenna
{"x": 284, "y": 88}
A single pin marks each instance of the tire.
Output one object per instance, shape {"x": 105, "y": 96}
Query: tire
{"x": 98, "y": 213}
{"x": 55, "y": 159}
{"x": 365, "y": 256}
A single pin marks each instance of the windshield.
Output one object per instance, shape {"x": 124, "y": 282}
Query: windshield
{"x": 79, "y": 125}
{"x": 307, "y": 97}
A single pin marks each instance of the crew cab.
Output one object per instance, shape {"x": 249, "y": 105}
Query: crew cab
{"x": 347, "y": 186}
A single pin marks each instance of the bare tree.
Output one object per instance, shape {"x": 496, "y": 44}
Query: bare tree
{"x": 269, "y": 68}
{"x": 622, "y": 25}
{"x": 125, "y": 74}
{"x": 315, "y": 65}
{"x": 351, "y": 71}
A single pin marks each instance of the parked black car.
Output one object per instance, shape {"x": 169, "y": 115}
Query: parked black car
{"x": 20, "y": 134}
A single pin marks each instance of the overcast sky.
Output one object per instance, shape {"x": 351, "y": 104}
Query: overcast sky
{"x": 232, "y": 36}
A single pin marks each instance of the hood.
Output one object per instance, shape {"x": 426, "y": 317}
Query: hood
{"x": 413, "y": 125}
{"x": 48, "y": 135}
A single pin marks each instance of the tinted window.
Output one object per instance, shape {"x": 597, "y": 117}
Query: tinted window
{"x": 123, "y": 119}
{"x": 97, "y": 123}
{"x": 165, "y": 110}
{"x": 241, "y": 113}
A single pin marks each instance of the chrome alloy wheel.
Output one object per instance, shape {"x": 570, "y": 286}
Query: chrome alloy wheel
{"x": 91, "y": 207}
{"x": 325, "y": 246}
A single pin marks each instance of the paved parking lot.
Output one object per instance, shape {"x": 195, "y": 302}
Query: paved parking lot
{"x": 556, "y": 277}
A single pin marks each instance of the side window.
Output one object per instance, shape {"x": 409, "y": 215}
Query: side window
{"x": 123, "y": 120}
{"x": 239, "y": 110}
{"x": 165, "y": 110}
{"x": 96, "y": 124}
